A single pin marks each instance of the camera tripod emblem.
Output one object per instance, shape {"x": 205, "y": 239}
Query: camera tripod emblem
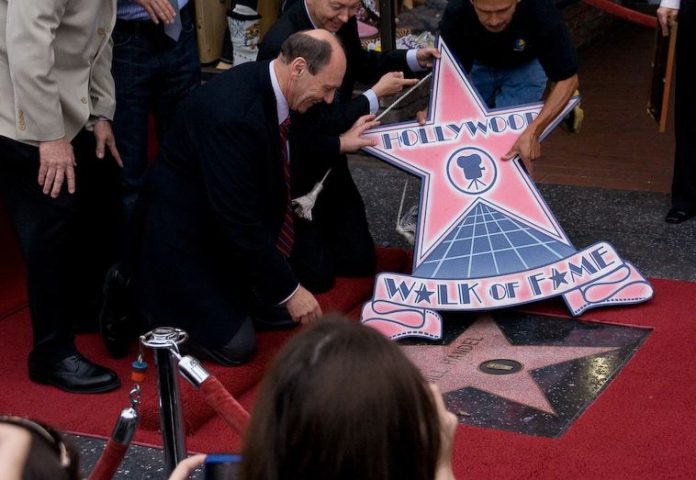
{"x": 471, "y": 170}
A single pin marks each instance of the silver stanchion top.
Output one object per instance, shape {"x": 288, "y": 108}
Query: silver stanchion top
{"x": 163, "y": 338}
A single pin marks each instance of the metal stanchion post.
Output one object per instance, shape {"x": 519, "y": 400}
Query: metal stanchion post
{"x": 128, "y": 420}
{"x": 164, "y": 342}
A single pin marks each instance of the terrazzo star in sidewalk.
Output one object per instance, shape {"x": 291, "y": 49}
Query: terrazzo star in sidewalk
{"x": 461, "y": 364}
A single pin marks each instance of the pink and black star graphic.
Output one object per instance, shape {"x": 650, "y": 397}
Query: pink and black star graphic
{"x": 485, "y": 238}
{"x": 525, "y": 373}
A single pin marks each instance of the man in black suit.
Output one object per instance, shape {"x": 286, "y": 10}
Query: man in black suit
{"x": 684, "y": 178}
{"x": 338, "y": 240}
{"x": 218, "y": 225}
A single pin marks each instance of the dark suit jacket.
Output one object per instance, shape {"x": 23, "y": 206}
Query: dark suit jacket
{"x": 216, "y": 199}
{"x": 366, "y": 67}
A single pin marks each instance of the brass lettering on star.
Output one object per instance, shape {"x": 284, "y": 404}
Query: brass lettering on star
{"x": 462, "y": 349}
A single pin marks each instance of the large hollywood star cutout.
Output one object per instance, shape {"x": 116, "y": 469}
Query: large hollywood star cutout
{"x": 462, "y": 131}
{"x": 483, "y": 358}
{"x": 485, "y": 238}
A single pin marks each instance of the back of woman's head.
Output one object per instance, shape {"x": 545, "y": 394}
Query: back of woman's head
{"x": 342, "y": 402}
{"x": 47, "y": 457}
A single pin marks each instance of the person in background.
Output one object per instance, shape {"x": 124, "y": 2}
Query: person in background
{"x": 511, "y": 48}
{"x": 337, "y": 240}
{"x": 30, "y": 450}
{"x": 341, "y": 401}
{"x": 59, "y": 174}
{"x": 684, "y": 177}
{"x": 155, "y": 65}
{"x": 218, "y": 223}
{"x": 243, "y": 24}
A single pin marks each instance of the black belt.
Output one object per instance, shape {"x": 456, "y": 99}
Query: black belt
{"x": 137, "y": 27}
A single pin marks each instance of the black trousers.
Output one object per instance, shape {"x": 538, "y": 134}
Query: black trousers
{"x": 184, "y": 280}
{"x": 684, "y": 179}
{"x": 67, "y": 242}
{"x": 338, "y": 240}
{"x": 187, "y": 277}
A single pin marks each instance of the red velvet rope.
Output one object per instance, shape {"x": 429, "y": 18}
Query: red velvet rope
{"x": 624, "y": 13}
{"x": 225, "y": 405}
{"x": 108, "y": 463}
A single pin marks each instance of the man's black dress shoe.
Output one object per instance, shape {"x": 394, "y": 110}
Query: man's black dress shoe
{"x": 74, "y": 374}
{"x": 117, "y": 318}
{"x": 678, "y": 216}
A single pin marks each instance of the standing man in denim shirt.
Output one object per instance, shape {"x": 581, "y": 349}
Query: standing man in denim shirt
{"x": 155, "y": 65}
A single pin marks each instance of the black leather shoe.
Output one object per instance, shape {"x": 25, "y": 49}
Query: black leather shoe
{"x": 74, "y": 374}
{"x": 117, "y": 318}
{"x": 678, "y": 216}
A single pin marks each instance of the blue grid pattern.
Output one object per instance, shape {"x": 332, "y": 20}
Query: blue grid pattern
{"x": 488, "y": 243}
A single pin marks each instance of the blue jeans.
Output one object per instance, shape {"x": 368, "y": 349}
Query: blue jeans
{"x": 151, "y": 73}
{"x": 508, "y": 87}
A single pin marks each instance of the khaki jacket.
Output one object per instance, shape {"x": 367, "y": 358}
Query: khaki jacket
{"x": 55, "y": 67}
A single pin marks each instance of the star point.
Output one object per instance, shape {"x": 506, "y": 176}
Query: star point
{"x": 558, "y": 278}
{"x": 423, "y": 294}
{"x": 458, "y": 365}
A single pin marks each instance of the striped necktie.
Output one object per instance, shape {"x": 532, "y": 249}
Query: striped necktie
{"x": 287, "y": 231}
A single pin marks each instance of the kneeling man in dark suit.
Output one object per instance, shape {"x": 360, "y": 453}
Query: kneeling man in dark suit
{"x": 219, "y": 225}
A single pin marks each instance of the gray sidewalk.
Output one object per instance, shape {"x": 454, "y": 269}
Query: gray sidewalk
{"x": 631, "y": 221}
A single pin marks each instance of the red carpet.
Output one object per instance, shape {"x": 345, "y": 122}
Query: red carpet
{"x": 641, "y": 426}
{"x": 96, "y": 414}
{"x": 13, "y": 294}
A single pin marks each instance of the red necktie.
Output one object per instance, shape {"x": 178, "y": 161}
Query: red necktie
{"x": 287, "y": 232}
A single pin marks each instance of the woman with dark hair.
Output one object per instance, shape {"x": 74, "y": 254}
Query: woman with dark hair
{"x": 343, "y": 402}
{"x": 30, "y": 450}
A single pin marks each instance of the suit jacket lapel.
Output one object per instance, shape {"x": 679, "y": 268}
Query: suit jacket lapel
{"x": 271, "y": 113}
{"x": 302, "y": 20}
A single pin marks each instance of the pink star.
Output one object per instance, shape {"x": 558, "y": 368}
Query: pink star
{"x": 457, "y": 155}
{"x": 457, "y": 365}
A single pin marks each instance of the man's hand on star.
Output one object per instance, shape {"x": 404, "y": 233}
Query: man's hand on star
{"x": 425, "y": 56}
{"x": 527, "y": 147}
{"x": 392, "y": 83}
{"x": 353, "y": 140}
